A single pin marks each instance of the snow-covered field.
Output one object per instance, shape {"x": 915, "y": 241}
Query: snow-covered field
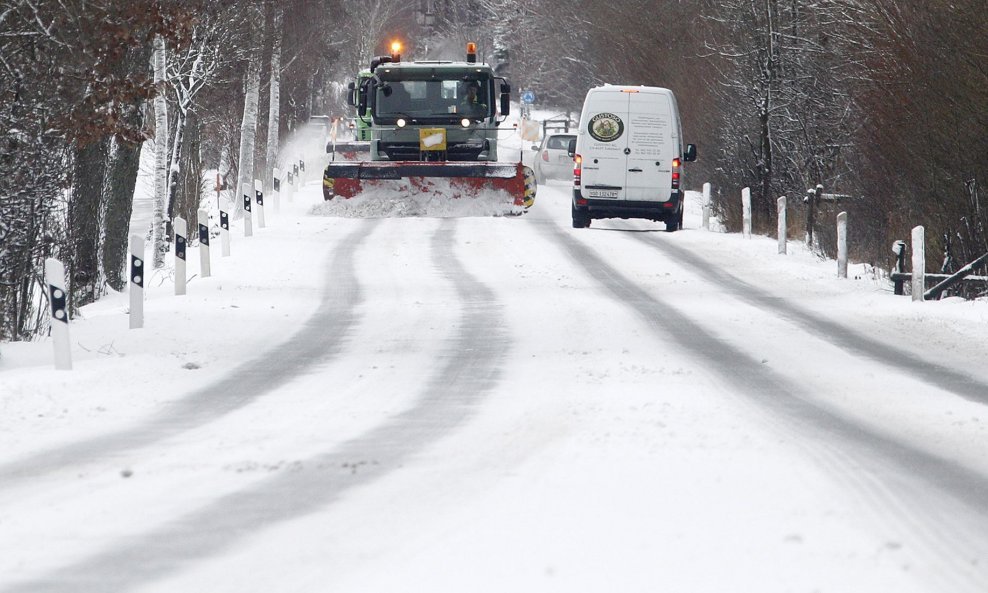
{"x": 501, "y": 404}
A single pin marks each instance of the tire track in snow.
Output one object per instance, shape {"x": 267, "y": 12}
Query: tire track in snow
{"x": 321, "y": 339}
{"x": 899, "y": 468}
{"x": 467, "y": 371}
{"x": 937, "y": 375}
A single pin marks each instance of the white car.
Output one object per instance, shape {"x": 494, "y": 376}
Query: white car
{"x": 553, "y": 161}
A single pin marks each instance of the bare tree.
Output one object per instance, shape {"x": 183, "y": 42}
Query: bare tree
{"x": 248, "y": 126}
{"x": 789, "y": 71}
{"x": 188, "y": 72}
{"x": 274, "y": 103}
{"x": 159, "y": 225}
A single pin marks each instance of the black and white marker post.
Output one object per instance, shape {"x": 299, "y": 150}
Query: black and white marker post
{"x": 247, "y": 191}
{"x": 298, "y": 181}
{"x": 181, "y": 241}
{"x": 276, "y": 190}
{"x": 136, "y": 282}
{"x": 225, "y": 233}
{"x": 55, "y": 277}
{"x": 259, "y": 200}
{"x": 204, "y": 243}
{"x": 290, "y": 180}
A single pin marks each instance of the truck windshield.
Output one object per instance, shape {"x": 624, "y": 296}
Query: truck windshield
{"x": 434, "y": 98}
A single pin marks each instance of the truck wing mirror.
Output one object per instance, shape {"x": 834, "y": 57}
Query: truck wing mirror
{"x": 505, "y": 96}
{"x": 690, "y": 154}
{"x": 571, "y": 148}
{"x": 351, "y": 95}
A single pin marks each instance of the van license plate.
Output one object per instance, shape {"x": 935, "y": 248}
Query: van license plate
{"x": 603, "y": 193}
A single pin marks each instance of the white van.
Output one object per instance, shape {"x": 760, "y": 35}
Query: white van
{"x": 628, "y": 156}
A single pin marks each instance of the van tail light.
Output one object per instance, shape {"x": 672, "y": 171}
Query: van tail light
{"x": 577, "y": 170}
{"x": 675, "y": 173}
{"x": 545, "y": 156}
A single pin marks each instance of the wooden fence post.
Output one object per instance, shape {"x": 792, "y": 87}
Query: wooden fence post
{"x": 899, "y": 249}
{"x": 746, "y": 212}
{"x": 781, "y": 206}
{"x": 919, "y": 263}
{"x": 812, "y": 199}
{"x": 706, "y": 206}
{"x": 842, "y": 245}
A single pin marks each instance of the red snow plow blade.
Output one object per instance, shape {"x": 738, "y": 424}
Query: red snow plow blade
{"x": 462, "y": 179}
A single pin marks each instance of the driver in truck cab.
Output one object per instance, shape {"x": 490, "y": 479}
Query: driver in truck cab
{"x": 471, "y": 102}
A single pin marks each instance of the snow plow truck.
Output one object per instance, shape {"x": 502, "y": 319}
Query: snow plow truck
{"x": 433, "y": 129}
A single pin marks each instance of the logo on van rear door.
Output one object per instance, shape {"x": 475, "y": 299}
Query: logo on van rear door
{"x": 605, "y": 127}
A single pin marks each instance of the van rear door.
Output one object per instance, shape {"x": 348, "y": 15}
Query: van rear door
{"x": 652, "y": 144}
{"x": 605, "y": 147}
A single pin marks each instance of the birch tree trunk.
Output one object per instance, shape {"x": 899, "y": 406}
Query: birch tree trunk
{"x": 248, "y": 127}
{"x": 275, "y": 102}
{"x": 176, "y": 162}
{"x": 159, "y": 234}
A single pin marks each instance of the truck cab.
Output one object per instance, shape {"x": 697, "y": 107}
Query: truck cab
{"x": 458, "y": 105}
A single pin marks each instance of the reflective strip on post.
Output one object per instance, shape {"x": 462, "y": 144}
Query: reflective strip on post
{"x": 204, "y": 267}
{"x": 55, "y": 277}
{"x": 276, "y": 188}
{"x": 259, "y": 200}
{"x": 225, "y": 233}
{"x": 246, "y": 191}
{"x": 181, "y": 240}
{"x": 136, "y": 282}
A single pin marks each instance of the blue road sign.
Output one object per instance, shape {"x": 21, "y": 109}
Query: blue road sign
{"x": 528, "y": 97}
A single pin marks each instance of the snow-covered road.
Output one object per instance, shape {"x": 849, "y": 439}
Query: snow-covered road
{"x": 492, "y": 404}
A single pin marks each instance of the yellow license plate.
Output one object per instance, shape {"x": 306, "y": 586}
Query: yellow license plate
{"x": 433, "y": 139}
